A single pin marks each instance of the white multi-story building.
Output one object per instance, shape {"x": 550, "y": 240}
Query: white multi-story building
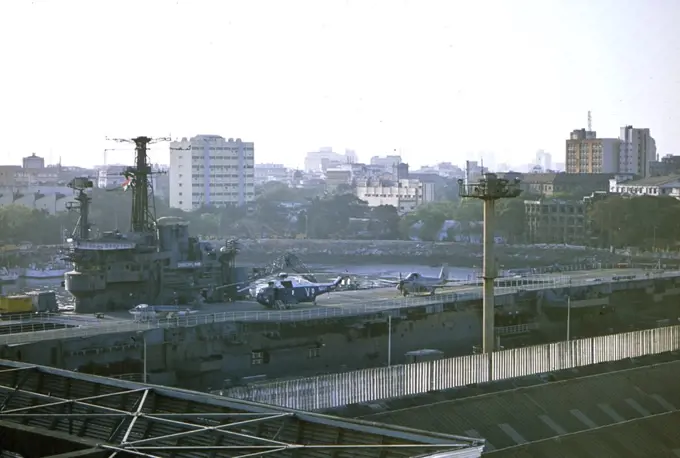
{"x": 320, "y": 161}
{"x": 637, "y": 151}
{"x": 271, "y": 172}
{"x": 33, "y": 162}
{"x": 651, "y": 186}
{"x": 208, "y": 170}
{"x": 404, "y": 195}
{"x": 111, "y": 176}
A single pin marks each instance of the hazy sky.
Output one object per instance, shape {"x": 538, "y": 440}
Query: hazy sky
{"x": 441, "y": 80}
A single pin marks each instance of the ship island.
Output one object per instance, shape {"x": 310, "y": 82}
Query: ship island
{"x": 155, "y": 262}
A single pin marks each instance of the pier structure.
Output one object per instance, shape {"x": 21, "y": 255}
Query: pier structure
{"x": 489, "y": 189}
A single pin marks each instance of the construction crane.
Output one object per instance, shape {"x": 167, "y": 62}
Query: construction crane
{"x": 137, "y": 178}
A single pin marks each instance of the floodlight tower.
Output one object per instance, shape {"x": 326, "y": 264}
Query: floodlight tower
{"x": 489, "y": 189}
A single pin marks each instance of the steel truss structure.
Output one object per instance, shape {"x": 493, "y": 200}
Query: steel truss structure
{"x": 51, "y": 412}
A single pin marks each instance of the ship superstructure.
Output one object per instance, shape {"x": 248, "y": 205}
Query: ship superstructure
{"x": 156, "y": 262}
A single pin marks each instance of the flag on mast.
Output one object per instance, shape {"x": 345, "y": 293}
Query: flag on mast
{"x": 126, "y": 183}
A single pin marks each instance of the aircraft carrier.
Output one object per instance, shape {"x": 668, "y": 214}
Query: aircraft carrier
{"x": 344, "y": 330}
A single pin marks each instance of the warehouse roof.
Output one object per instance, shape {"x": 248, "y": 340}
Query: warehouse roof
{"x": 83, "y": 415}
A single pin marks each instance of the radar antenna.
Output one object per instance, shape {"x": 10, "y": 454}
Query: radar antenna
{"x": 82, "y": 206}
{"x": 138, "y": 178}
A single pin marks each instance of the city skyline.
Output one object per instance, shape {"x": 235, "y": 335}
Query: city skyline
{"x": 377, "y": 76}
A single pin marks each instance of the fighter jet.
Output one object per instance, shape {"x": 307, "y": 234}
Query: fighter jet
{"x": 418, "y": 283}
{"x": 284, "y": 292}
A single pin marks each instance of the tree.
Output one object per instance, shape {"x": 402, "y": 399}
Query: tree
{"x": 329, "y": 215}
{"x": 511, "y": 219}
{"x": 644, "y": 221}
{"x": 19, "y": 224}
{"x": 385, "y": 222}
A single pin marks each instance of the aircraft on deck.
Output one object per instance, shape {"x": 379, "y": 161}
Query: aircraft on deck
{"x": 418, "y": 283}
{"x": 296, "y": 280}
{"x": 285, "y": 292}
{"x": 144, "y": 312}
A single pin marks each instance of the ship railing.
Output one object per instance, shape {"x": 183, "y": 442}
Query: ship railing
{"x": 321, "y": 312}
{"x": 32, "y": 317}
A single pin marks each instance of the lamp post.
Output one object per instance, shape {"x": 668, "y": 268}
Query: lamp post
{"x": 568, "y": 318}
{"x": 134, "y": 339}
{"x": 489, "y": 189}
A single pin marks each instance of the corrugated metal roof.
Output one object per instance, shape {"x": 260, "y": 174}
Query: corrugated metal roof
{"x": 555, "y": 409}
{"x": 657, "y": 435}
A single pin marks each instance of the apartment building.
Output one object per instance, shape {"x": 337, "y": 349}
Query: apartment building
{"x": 556, "y": 221}
{"x": 320, "y": 161}
{"x": 404, "y": 195}
{"x": 209, "y": 170}
{"x": 271, "y": 172}
{"x": 668, "y": 165}
{"x": 386, "y": 162}
{"x": 637, "y": 151}
{"x": 551, "y": 184}
{"x": 585, "y": 153}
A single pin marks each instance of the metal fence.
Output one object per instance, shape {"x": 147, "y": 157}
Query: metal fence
{"x": 333, "y": 310}
{"x": 370, "y": 385}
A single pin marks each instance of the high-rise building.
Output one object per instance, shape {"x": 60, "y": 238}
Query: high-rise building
{"x": 637, "y": 151}
{"x": 387, "y": 161}
{"x": 320, "y": 161}
{"x": 34, "y": 162}
{"x": 585, "y": 153}
{"x": 543, "y": 159}
{"x": 208, "y": 170}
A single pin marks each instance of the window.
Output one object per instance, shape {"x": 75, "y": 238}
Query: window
{"x": 258, "y": 357}
{"x": 313, "y": 353}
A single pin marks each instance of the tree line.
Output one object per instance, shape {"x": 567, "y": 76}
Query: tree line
{"x": 280, "y": 211}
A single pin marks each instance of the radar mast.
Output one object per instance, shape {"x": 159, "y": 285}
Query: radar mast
{"x": 82, "y": 206}
{"x": 138, "y": 179}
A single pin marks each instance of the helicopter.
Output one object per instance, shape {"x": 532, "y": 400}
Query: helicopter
{"x": 285, "y": 292}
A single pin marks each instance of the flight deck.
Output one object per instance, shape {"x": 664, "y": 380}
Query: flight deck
{"x": 332, "y": 305}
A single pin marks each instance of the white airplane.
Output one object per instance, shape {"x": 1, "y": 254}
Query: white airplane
{"x": 417, "y": 283}
{"x": 145, "y": 312}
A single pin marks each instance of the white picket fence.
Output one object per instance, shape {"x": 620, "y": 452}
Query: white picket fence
{"x": 370, "y": 385}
